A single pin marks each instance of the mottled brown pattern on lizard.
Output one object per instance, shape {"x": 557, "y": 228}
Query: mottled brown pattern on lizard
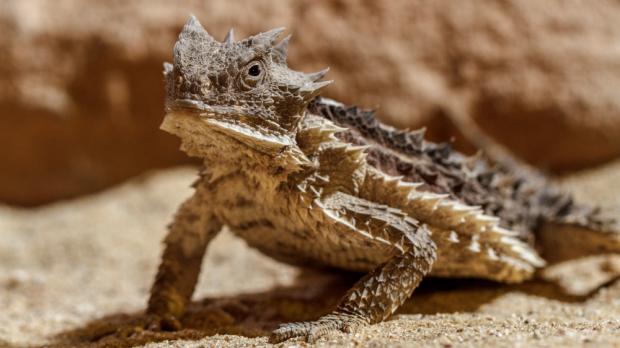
{"x": 309, "y": 181}
{"x": 521, "y": 197}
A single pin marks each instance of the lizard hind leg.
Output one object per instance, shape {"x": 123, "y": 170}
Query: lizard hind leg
{"x": 372, "y": 299}
{"x": 581, "y": 255}
{"x": 569, "y": 240}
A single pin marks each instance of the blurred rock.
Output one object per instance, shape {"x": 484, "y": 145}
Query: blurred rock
{"x": 541, "y": 77}
{"x": 81, "y": 95}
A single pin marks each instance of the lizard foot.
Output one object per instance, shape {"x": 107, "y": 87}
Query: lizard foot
{"x": 150, "y": 322}
{"x": 162, "y": 323}
{"x": 312, "y": 330}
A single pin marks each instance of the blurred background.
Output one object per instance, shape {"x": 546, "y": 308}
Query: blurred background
{"x": 81, "y": 90}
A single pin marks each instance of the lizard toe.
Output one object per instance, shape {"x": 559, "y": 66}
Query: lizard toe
{"x": 162, "y": 323}
{"x": 287, "y": 331}
{"x": 311, "y": 331}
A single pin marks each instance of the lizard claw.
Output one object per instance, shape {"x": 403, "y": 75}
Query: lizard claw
{"x": 313, "y": 330}
{"x": 149, "y": 322}
{"x": 162, "y": 323}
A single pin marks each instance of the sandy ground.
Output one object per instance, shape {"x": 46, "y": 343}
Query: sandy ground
{"x": 77, "y": 273}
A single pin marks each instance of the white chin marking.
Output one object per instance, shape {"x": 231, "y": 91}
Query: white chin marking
{"x": 247, "y": 134}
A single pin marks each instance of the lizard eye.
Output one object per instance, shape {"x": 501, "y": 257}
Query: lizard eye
{"x": 253, "y": 74}
{"x": 254, "y": 70}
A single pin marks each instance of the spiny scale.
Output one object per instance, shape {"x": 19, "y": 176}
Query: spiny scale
{"x": 519, "y": 197}
{"x": 230, "y": 37}
{"x": 451, "y": 216}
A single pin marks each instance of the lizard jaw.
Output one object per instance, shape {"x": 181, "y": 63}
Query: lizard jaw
{"x": 261, "y": 135}
{"x": 237, "y": 123}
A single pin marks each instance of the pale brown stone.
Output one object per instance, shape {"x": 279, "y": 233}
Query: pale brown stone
{"x": 81, "y": 92}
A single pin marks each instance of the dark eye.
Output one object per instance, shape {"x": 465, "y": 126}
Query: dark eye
{"x": 252, "y": 74}
{"x": 254, "y": 70}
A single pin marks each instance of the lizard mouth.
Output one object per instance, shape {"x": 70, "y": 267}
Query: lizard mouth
{"x": 203, "y": 109}
{"x": 231, "y": 114}
{"x": 236, "y": 122}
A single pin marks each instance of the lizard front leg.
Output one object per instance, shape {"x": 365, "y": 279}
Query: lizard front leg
{"x": 193, "y": 228}
{"x": 378, "y": 294}
{"x": 371, "y": 300}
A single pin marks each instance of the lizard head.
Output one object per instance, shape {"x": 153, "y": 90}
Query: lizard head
{"x": 236, "y": 93}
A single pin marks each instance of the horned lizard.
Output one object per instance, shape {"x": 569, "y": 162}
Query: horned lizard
{"x": 310, "y": 181}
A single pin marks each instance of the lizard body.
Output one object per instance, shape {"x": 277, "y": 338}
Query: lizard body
{"x": 309, "y": 181}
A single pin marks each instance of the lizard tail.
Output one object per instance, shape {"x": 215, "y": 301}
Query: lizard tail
{"x": 584, "y": 231}
{"x": 568, "y": 230}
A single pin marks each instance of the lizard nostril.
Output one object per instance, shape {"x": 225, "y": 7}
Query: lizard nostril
{"x": 222, "y": 79}
{"x": 194, "y": 88}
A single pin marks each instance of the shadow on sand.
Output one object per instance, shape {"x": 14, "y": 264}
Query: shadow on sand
{"x": 312, "y": 295}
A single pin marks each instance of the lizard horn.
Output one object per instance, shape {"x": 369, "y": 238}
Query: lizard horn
{"x": 317, "y": 75}
{"x": 281, "y": 49}
{"x": 193, "y": 27}
{"x": 311, "y": 89}
{"x": 230, "y": 37}
{"x": 267, "y": 38}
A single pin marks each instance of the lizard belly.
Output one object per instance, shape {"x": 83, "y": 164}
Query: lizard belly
{"x": 287, "y": 230}
{"x": 298, "y": 248}
{"x": 318, "y": 244}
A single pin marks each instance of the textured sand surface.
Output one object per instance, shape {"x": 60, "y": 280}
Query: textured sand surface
{"x": 73, "y": 273}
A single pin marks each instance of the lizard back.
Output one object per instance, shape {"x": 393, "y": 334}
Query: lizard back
{"x": 521, "y": 197}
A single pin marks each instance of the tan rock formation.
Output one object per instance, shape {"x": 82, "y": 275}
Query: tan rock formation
{"x": 81, "y": 92}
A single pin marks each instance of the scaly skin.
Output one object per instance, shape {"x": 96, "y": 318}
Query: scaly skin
{"x": 193, "y": 228}
{"x": 310, "y": 181}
